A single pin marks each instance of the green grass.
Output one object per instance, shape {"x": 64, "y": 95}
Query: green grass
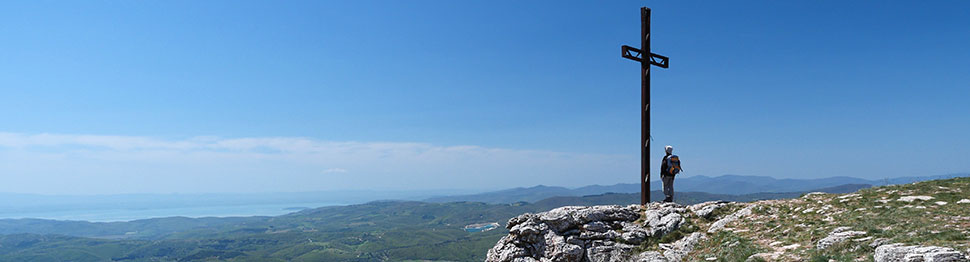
{"x": 876, "y": 211}
{"x": 726, "y": 247}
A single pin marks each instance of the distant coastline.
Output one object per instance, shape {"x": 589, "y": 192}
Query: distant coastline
{"x": 129, "y": 214}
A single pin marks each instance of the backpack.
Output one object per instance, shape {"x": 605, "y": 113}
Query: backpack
{"x": 671, "y": 165}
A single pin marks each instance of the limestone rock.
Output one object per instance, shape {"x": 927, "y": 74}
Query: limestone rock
{"x": 901, "y": 253}
{"x": 633, "y": 233}
{"x": 650, "y": 256}
{"x": 840, "y": 234}
{"x": 679, "y": 249}
{"x": 595, "y": 234}
{"x": 913, "y": 198}
{"x": 719, "y": 225}
{"x": 707, "y": 208}
{"x": 609, "y": 252}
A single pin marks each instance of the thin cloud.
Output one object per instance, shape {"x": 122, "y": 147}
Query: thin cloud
{"x": 73, "y": 163}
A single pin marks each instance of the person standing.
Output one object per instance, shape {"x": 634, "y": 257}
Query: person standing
{"x": 669, "y": 168}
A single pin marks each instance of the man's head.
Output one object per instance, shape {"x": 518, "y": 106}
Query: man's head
{"x": 669, "y": 149}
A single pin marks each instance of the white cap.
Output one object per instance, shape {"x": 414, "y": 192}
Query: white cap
{"x": 669, "y": 149}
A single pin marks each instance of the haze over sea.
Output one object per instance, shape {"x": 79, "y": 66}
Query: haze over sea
{"x": 129, "y": 214}
{"x": 127, "y": 207}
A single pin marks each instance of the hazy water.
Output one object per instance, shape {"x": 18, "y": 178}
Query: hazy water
{"x": 481, "y": 228}
{"x": 128, "y": 214}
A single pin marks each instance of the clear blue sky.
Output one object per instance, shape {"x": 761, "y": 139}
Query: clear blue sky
{"x": 244, "y": 96}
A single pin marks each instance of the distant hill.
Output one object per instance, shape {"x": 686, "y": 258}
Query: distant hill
{"x": 723, "y": 185}
{"x": 519, "y": 194}
{"x": 735, "y": 184}
{"x": 914, "y": 179}
{"x": 685, "y": 198}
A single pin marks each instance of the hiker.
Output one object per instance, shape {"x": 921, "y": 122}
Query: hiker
{"x": 669, "y": 167}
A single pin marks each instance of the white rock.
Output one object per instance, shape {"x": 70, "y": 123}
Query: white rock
{"x": 862, "y": 239}
{"x": 679, "y": 249}
{"x": 707, "y": 208}
{"x": 848, "y": 196}
{"x": 838, "y": 235}
{"x": 650, "y": 256}
{"x": 964, "y": 201}
{"x": 912, "y": 198}
{"x": 940, "y": 203}
{"x": 719, "y": 225}
{"x": 591, "y": 234}
{"x": 901, "y": 253}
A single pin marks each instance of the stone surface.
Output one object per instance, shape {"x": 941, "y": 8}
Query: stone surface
{"x": 719, "y": 225}
{"x": 707, "y": 208}
{"x": 840, "y": 234}
{"x": 913, "y": 198}
{"x": 575, "y": 233}
{"x": 902, "y": 253}
{"x": 679, "y": 249}
{"x": 594, "y": 234}
{"x": 650, "y": 256}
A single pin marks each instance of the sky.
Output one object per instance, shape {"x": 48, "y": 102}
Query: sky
{"x": 109, "y": 97}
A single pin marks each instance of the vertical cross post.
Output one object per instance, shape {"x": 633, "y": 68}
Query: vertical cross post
{"x": 646, "y": 59}
{"x": 645, "y": 107}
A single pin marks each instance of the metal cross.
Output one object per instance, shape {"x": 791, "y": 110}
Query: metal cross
{"x": 646, "y": 59}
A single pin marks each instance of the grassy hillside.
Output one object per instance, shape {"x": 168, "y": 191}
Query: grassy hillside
{"x": 925, "y": 213}
{"x": 369, "y": 232}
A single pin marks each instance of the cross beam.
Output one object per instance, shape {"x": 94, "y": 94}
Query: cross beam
{"x": 646, "y": 59}
{"x": 635, "y": 54}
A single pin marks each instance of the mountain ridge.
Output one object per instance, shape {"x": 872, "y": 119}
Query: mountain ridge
{"x": 725, "y": 184}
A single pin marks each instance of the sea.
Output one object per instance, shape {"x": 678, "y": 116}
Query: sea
{"x": 129, "y": 214}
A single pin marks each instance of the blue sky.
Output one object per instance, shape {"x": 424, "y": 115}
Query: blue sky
{"x": 246, "y": 96}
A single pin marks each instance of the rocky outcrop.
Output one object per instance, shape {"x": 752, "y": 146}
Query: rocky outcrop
{"x": 594, "y": 234}
{"x": 839, "y": 235}
{"x": 766, "y": 230}
{"x": 901, "y": 253}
